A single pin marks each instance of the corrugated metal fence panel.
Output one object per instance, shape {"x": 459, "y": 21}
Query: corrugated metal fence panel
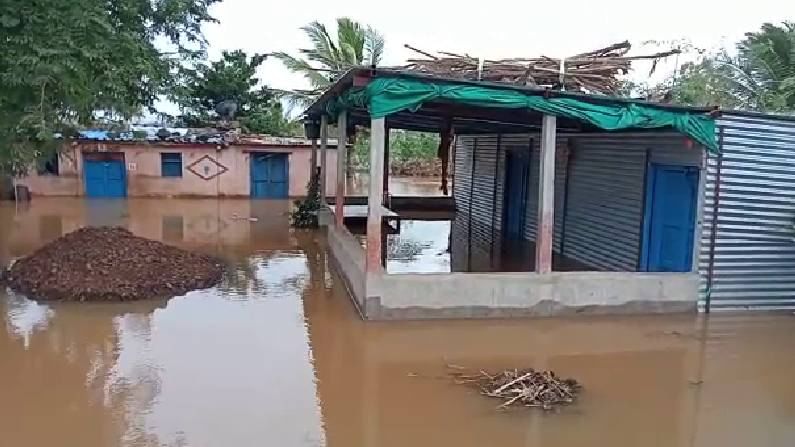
{"x": 754, "y": 264}
{"x": 606, "y": 194}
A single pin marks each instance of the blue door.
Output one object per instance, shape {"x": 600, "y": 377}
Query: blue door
{"x": 105, "y": 178}
{"x": 269, "y": 176}
{"x": 517, "y": 173}
{"x": 671, "y": 197}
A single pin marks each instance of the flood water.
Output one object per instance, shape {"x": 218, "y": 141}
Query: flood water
{"x": 276, "y": 355}
{"x": 398, "y": 186}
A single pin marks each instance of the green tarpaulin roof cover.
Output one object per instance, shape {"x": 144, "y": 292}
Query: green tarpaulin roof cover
{"x": 384, "y": 96}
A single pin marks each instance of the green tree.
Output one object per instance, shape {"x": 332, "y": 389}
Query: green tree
{"x": 766, "y": 67}
{"x": 708, "y": 82}
{"x": 759, "y": 75}
{"x": 356, "y": 44}
{"x": 404, "y": 147}
{"x": 63, "y": 61}
{"x": 232, "y": 78}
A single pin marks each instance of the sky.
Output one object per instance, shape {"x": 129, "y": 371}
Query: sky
{"x": 491, "y": 29}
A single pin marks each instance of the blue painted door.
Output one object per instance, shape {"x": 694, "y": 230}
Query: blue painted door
{"x": 671, "y": 197}
{"x": 105, "y": 178}
{"x": 269, "y": 176}
{"x": 517, "y": 173}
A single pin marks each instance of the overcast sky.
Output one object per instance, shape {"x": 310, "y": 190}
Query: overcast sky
{"x": 491, "y": 29}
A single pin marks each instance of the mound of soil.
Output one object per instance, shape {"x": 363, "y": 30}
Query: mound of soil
{"x": 110, "y": 263}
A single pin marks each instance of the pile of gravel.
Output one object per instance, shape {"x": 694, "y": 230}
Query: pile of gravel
{"x": 110, "y": 264}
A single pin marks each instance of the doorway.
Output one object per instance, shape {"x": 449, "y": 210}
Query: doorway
{"x": 105, "y": 175}
{"x": 269, "y": 176}
{"x": 517, "y": 173}
{"x": 670, "y": 218}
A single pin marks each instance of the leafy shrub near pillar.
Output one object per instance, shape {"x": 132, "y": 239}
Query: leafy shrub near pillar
{"x": 305, "y": 213}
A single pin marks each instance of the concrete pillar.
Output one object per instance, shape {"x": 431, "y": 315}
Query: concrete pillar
{"x": 339, "y": 201}
{"x": 386, "y": 168}
{"x": 323, "y": 157}
{"x": 376, "y": 193}
{"x": 546, "y": 196}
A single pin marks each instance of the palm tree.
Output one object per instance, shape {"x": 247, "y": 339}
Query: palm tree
{"x": 760, "y": 76}
{"x": 766, "y": 59}
{"x": 356, "y": 45}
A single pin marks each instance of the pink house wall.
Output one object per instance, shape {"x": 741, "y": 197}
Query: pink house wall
{"x": 230, "y": 177}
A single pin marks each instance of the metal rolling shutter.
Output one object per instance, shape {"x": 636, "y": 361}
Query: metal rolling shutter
{"x": 605, "y": 204}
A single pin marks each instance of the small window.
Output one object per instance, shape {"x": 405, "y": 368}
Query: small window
{"x": 48, "y": 165}
{"x": 171, "y": 164}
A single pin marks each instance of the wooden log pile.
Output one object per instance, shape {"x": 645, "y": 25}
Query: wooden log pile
{"x": 521, "y": 387}
{"x": 595, "y": 71}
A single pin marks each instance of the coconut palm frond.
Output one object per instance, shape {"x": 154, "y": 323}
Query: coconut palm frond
{"x": 298, "y": 99}
{"x": 323, "y": 46}
{"x": 351, "y": 38}
{"x": 317, "y": 78}
{"x": 373, "y": 46}
{"x": 326, "y": 59}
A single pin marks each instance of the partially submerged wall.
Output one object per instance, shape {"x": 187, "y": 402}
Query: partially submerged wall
{"x": 379, "y": 296}
{"x": 207, "y": 171}
{"x": 348, "y": 257}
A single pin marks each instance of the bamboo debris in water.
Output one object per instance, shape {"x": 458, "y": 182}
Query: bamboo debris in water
{"x": 521, "y": 387}
{"x": 595, "y": 71}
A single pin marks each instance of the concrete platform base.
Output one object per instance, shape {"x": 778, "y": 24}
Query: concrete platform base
{"x": 499, "y": 295}
{"x": 381, "y": 296}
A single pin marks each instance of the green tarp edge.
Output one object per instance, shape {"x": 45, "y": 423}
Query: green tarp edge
{"x": 385, "y": 96}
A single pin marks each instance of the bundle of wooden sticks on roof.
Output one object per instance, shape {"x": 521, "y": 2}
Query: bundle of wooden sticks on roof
{"x": 596, "y": 71}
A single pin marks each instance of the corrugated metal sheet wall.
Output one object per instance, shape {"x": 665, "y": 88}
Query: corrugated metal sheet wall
{"x": 754, "y": 253}
{"x": 561, "y": 167}
{"x": 605, "y": 204}
{"x": 479, "y": 194}
{"x": 604, "y": 213}
{"x": 462, "y": 184}
{"x": 483, "y": 202}
{"x": 601, "y": 223}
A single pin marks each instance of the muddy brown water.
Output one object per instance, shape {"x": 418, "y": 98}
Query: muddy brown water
{"x": 276, "y": 355}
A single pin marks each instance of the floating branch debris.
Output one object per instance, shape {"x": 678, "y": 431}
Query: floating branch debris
{"x": 520, "y": 387}
{"x": 595, "y": 71}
